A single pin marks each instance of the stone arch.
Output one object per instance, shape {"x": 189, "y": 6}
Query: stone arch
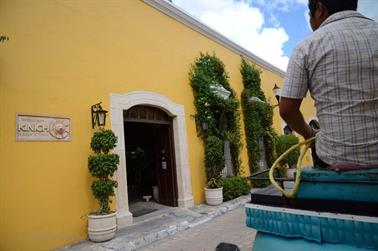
{"x": 121, "y": 102}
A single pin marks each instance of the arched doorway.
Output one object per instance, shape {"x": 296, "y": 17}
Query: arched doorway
{"x": 150, "y": 155}
{"x": 123, "y": 102}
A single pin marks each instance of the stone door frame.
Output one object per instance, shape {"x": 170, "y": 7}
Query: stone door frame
{"x": 121, "y": 102}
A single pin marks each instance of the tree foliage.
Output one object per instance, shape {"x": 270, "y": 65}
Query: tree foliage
{"x": 214, "y": 161}
{"x": 284, "y": 142}
{"x": 102, "y": 165}
{"x": 3, "y": 38}
{"x": 258, "y": 117}
{"x": 215, "y": 116}
{"x": 234, "y": 187}
{"x": 103, "y": 141}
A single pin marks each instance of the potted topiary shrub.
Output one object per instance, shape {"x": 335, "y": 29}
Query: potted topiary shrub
{"x": 102, "y": 164}
{"x": 214, "y": 164}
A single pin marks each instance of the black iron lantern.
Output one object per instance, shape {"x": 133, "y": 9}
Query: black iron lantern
{"x": 98, "y": 115}
{"x": 277, "y": 92}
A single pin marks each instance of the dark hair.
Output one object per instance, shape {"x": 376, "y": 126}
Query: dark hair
{"x": 333, "y": 6}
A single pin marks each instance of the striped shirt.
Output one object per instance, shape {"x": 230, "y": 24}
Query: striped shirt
{"x": 338, "y": 64}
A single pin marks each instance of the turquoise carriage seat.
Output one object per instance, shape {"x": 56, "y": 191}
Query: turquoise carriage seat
{"x": 357, "y": 185}
{"x": 291, "y": 222}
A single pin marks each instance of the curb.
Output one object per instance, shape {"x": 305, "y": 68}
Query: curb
{"x": 143, "y": 238}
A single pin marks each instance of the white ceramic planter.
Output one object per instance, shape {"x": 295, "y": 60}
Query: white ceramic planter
{"x": 214, "y": 196}
{"x": 102, "y": 227}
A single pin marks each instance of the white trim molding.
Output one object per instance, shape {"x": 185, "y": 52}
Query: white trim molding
{"x": 122, "y": 102}
{"x": 185, "y": 18}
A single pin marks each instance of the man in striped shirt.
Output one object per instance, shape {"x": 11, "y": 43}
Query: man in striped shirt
{"x": 338, "y": 64}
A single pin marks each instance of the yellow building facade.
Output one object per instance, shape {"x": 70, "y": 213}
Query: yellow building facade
{"x": 65, "y": 56}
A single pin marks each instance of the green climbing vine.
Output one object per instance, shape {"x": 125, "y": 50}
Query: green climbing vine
{"x": 215, "y": 116}
{"x": 3, "y": 38}
{"x": 258, "y": 117}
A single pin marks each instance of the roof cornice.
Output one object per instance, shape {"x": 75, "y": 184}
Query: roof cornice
{"x": 183, "y": 17}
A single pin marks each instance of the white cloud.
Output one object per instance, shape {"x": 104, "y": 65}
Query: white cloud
{"x": 307, "y": 17}
{"x": 237, "y": 22}
{"x": 273, "y": 20}
{"x": 244, "y": 25}
{"x": 197, "y": 7}
{"x": 282, "y": 5}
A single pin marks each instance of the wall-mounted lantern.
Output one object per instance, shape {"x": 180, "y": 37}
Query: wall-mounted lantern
{"x": 220, "y": 91}
{"x": 255, "y": 99}
{"x": 277, "y": 92}
{"x": 98, "y": 115}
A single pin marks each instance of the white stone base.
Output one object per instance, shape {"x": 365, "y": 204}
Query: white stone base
{"x": 124, "y": 220}
{"x": 186, "y": 203}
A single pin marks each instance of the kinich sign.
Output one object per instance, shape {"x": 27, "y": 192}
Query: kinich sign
{"x": 42, "y": 128}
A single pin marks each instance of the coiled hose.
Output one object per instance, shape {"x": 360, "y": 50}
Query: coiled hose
{"x": 307, "y": 143}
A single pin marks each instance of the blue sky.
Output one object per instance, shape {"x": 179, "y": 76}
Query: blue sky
{"x": 268, "y": 28}
{"x": 292, "y": 18}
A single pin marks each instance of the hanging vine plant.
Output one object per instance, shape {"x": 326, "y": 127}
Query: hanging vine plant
{"x": 215, "y": 116}
{"x": 258, "y": 118}
{"x": 3, "y": 38}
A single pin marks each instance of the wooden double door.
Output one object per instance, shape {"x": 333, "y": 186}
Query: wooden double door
{"x": 150, "y": 159}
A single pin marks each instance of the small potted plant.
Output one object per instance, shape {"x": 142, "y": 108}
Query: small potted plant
{"x": 102, "y": 164}
{"x": 214, "y": 164}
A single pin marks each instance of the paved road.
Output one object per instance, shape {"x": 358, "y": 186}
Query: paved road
{"x": 229, "y": 227}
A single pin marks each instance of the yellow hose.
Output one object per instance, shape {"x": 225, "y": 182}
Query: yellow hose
{"x": 307, "y": 144}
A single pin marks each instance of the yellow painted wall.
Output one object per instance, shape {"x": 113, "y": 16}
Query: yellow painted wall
{"x": 63, "y": 57}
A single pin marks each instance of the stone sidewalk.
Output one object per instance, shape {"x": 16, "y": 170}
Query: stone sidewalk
{"x": 229, "y": 227}
{"x": 172, "y": 221}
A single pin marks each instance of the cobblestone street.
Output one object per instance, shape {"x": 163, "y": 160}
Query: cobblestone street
{"x": 229, "y": 227}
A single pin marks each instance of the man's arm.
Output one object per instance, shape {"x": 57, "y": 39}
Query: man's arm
{"x": 290, "y": 113}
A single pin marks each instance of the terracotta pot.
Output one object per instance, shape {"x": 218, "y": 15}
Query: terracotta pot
{"x": 214, "y": 196}
{"x": 102, "y": 227}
